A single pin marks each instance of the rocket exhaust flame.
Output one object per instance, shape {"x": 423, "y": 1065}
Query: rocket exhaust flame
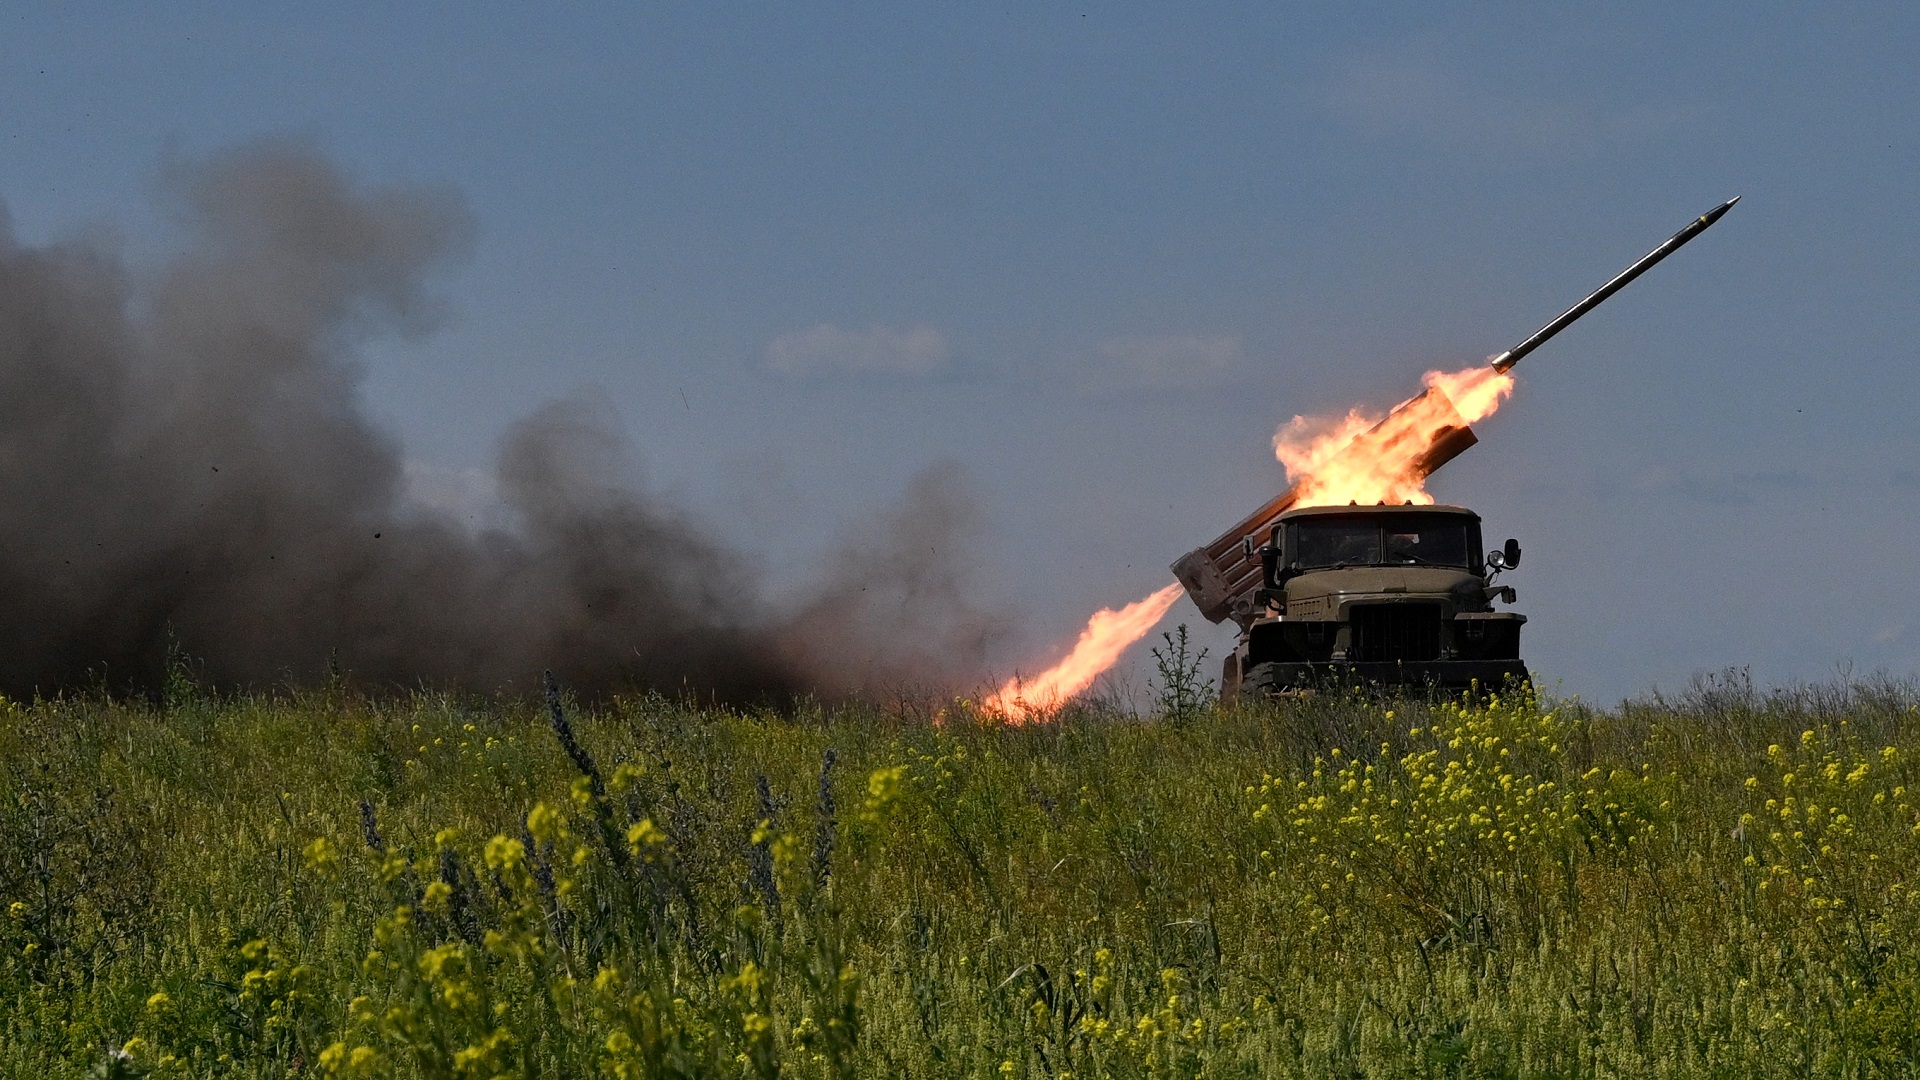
{"x": 1107, "y": 635}
{"x": 1369, "y": 459}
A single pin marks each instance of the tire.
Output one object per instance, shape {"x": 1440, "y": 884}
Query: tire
{"x": 1263, "y": 681}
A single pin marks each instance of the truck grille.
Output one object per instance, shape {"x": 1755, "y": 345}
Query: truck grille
{"x": 1395, "y": 632}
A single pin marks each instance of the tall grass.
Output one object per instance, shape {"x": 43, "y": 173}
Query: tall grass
{"x": 326, "y": 884}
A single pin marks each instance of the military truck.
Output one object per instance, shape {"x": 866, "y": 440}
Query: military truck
{"x": 1387, "y": 594}
{"x": 1391, "y": 595}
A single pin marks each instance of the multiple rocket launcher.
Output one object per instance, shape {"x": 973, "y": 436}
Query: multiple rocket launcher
{"x": 1223, "y": 576}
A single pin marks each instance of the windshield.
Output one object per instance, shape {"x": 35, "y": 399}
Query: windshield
{"x": 1411, "y": 540}
{"x": 1337, "y": 543}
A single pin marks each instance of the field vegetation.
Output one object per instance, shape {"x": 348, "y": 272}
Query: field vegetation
{"x": 333, "y": 884}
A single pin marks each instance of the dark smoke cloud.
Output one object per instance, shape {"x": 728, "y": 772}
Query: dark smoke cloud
{"x": 896, "y": 606}
{"x": 183, "y": 459}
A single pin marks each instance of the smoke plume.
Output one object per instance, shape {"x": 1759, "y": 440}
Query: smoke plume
{"x": 184, "y": 463}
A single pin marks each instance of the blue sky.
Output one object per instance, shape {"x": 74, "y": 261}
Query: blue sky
{"x": 1093, "y": 256}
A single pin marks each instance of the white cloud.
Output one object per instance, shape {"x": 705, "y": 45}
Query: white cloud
{"x": 878, "y": 350}
{"x": 1161, "y": 363}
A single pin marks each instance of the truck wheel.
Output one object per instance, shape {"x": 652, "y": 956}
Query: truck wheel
{"x": 1263, "y": 680}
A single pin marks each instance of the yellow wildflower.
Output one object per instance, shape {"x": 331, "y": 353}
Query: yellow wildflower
{"x": 505, "y": 853}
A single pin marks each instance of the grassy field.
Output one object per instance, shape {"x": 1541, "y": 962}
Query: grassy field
{"x": 332, "y": 885}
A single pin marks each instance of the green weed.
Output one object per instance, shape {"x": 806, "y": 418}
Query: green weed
{"x": 330, "y": 884}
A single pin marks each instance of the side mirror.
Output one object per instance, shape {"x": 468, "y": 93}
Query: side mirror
{"x": 1506, "y": 558}
{"x": 1269, "y": 553}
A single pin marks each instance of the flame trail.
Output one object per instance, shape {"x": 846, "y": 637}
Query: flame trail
{"x": 1107, "y": 635}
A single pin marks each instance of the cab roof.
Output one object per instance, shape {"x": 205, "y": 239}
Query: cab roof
{"x": 1351, "y": 510}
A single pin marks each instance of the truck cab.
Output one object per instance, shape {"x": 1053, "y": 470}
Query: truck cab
{"x": 1395, "y": 595}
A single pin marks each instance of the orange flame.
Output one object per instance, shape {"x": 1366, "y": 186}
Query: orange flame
{"x": 1107, "y": 635}
{"x": 1368, "y": 459}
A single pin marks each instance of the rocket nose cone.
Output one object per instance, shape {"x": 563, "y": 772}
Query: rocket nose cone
{"x": 1713, "y": 215}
